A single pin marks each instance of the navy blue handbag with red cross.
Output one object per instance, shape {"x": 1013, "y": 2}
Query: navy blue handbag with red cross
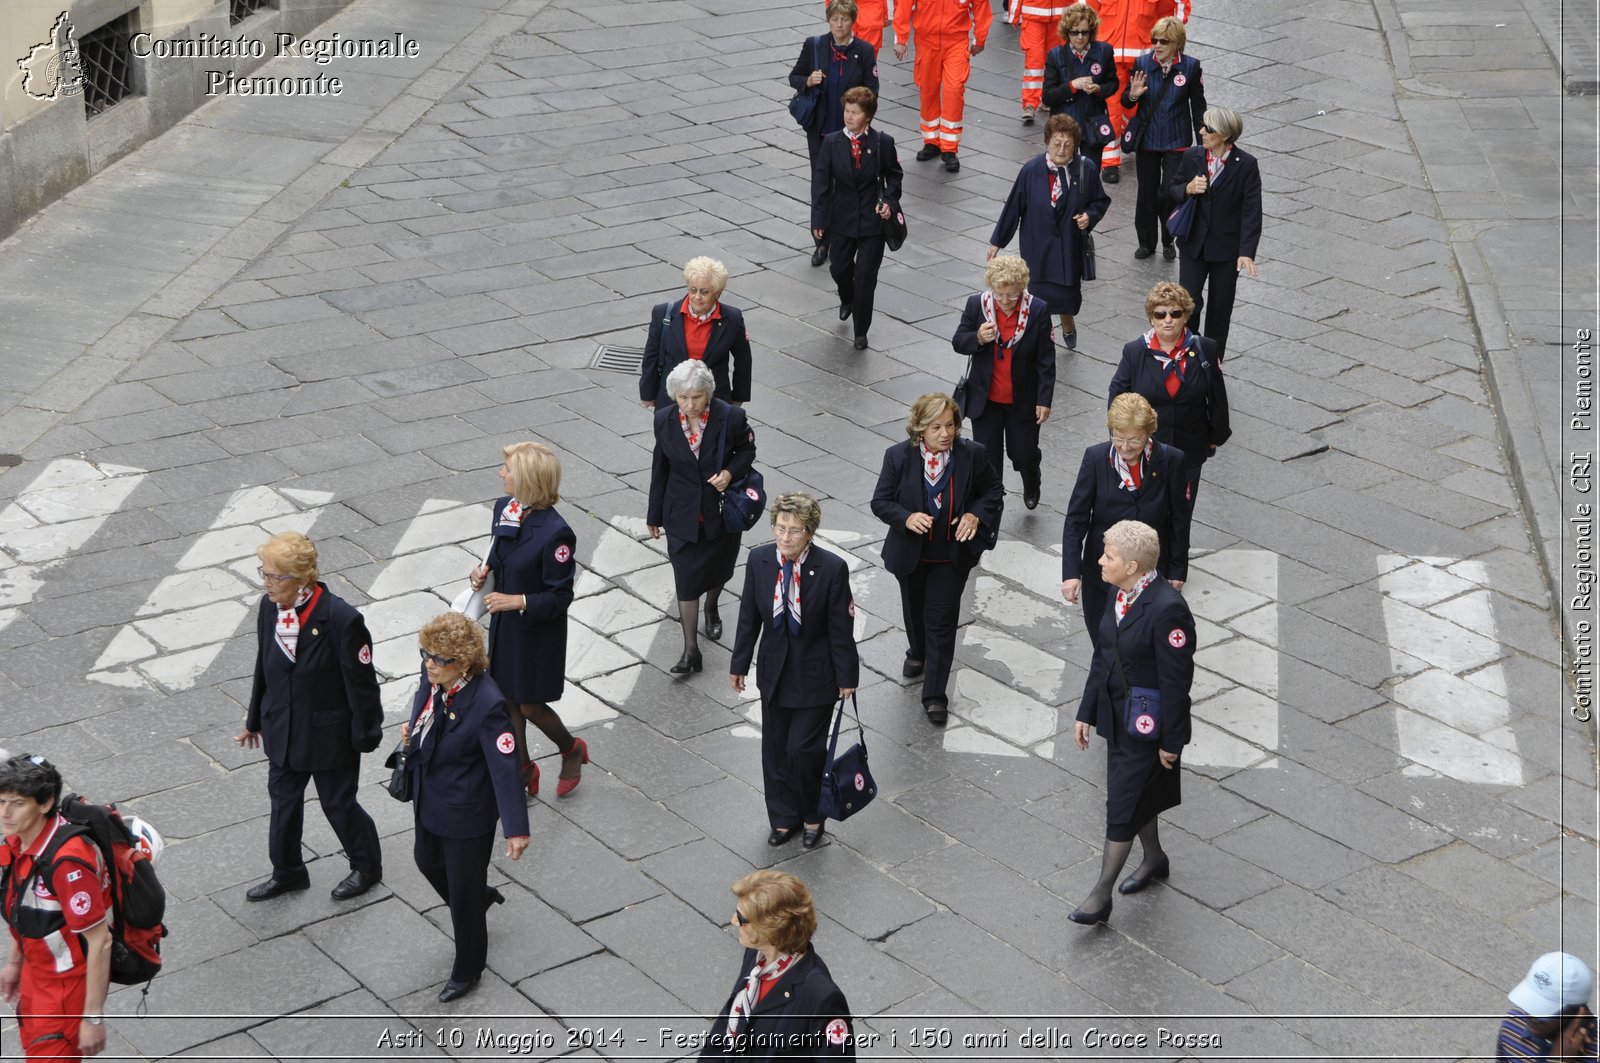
{"x": 847, "y": 784}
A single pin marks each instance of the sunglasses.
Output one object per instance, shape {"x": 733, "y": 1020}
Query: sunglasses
{"x": 1160, "y": 40}
{"x": 740, "y": 918}
{"x": 1077, "y": 33}
{"x": 1166, "y": 315}
{"x": 1207, "y": 129}
{"x": 442, "y": 662}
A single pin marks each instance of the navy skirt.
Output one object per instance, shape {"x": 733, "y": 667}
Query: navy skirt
{"x": 1137, "y": 787}
{"x": 700, "y": 564}
{"x": 1060, "y": 298}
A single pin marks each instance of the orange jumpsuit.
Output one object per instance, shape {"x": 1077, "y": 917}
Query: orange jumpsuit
{"x": 870, "y": 17}
{"x": 943, "y": 61}
{"x": 1039, "y": 20}
{"x": 1126, "y": 25}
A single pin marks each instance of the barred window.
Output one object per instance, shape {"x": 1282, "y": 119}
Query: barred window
{"x": 107, "y": 73}
{"x": 239, "y": 10}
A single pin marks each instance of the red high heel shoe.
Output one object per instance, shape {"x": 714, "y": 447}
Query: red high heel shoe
{"x": 566, "y": 786}
{"x": 530, "y": 772}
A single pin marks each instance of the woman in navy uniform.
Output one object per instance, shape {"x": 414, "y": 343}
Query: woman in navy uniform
{"x": 534, "y": 561}
{"x": 855, "y": 184}
{"x": 942, "y": 500}
{"x": 700, "y": 326}
{"x": 1222, "y": 240}
{"x": 785, "y": 1003}
{"x": 1079, "y": 77}
{"x": 462, "y": 762}
{"x": 1146, "y": 649}
{"x": 797, "y": 600}
{"x": 1131, "y": 478}
{"x": 845, "y": 62}
{"x": 1179, "y": 376}
{"x": 315, "y": 709}
{"x": 1012, "y": 382}
{"x": 1165, "y": 103}
{"x": 702, "y": 445}
{"x": 1056, "y": 198}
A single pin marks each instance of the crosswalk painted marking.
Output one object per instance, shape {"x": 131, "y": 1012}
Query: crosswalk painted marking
{"x": 1234, "y": 597}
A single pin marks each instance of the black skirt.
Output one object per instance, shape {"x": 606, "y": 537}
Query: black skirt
{"x": 1137, "y": 787}
{"x": 1060, "y": 298}
{"x": 700, "y": 564}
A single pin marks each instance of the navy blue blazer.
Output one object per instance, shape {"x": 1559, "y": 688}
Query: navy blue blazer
{"x": 1194, "y": 421}
{"x": 825, "y": 652}
{"x": 665, "y": 347}
{"x": 844, "y": 200}
{"x": 1052, "y": 243}
{"x": 1033, "y": 365}
{"x": 860, "y": 67}
{"x": 1061, "y": 69}
{"x": 1178, "y": 109}
{"x": 465, "y": 774}
{"x": 528, "y": 649}
{"x": 681, "y": 501}
{"x": 1227, "y": 215}
{"x": 322, "y": 710}
{"x": 803, "y": 1016}
{"x": 1099, "y": 501}
{"x": 900, "y": 493}
{"x": 1157, "y": 644}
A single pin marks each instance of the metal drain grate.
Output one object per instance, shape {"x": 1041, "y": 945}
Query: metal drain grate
{"x": 239, "y": 10}
{"x": 618, "y": 359}
{"x": 107, "y": 76}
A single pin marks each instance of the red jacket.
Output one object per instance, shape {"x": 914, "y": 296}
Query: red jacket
{"x": 942, "y": 24}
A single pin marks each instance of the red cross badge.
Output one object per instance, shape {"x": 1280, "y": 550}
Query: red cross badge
{"x": 1105, "y": 130}
{"x": 752, "y": 494}
{"x": 365, "y": 655}
{"x": 1143, "y": 723}
{"x": 1177, "y": 639}
{"x": 1180, "y": 81}
{"x": 563, "y": 554}
{"x": 80, "y": 903}
{"x": 505, "y": 743}
{"x": 1094, "y": 68}
{"x": 837, "y": 1031}
{"x": 861, "y": 781}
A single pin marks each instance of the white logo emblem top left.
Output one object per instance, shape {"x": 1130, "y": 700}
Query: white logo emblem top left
{"x": 53, "y": 69}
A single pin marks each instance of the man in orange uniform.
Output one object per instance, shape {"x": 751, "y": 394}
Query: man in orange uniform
{"x": 949, "y": 34}
{"x": 1126, "y": 25}
{"x": 1041, "y": 22}
{"x": 870, "y": 17}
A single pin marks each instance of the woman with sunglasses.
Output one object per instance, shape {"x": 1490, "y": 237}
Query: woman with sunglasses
{"x": 462, "y": 763}
{"x": 1167, "y": 104}
{"x": 1178, "y": 374}
{"x": 534, "y": 562}
{"x": 314, "y": 708}
{"x": 1079, "y": 77}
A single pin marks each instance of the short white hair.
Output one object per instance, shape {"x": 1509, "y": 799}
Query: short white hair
{"x": 690, "y": 375}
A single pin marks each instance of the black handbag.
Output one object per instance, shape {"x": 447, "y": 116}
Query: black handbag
{"x": 847, "y": 783}
{"x": 1141, "y": 713}
{"x": 804, "y": 105}
{"x": 894, "y": 226}
{"x": 1086, "y": 270}
{"x": 399, "y": 785}
{"x": 959, "y": 395}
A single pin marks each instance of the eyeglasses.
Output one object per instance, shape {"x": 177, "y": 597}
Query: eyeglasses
{"x": 442, "y": 662}
{"x": 740, "y": 918}
{"x": 1077, "y": 33}
{"x": 272, "y": 577}
{"x": 1166, "y": 315}
{"x": 781, "y": 532}
{"x": 1160, "y": 40}
{"x": 1141, "y": 442}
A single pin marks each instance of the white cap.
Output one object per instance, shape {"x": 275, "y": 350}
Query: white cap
{"x": 1555, "y": 981}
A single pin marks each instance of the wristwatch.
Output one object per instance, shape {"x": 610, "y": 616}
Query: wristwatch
{"x": 94, "y": 1020}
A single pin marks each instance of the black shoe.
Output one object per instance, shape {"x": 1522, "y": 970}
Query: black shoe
{"x": 1030, "y": 495}
{"x": 938, "y": 711}
{"x": 912, "y": 668}
{"x": 781, "y": 836}
{"x": 454, "y": 990}
{"x": 713, "y": 625}
{"x": 492, "y": 897}
{"x": 1070, "y": 339}
{"x": 1091, "y": 918}
{"x": 689, "y": 662}
{"x": 271, "y": 888}
{"x": 929, "y": 151}
{"x": 1144, "y": 252}
{"x": 356, "y": 883}
{"x": 951, "y": 163}
{"x": 1168, "y": 251}
{"x": 1135, "y": 883}
{"x": 861, "y": 343}
{"x": 820, "y": 255}
{"x": 845, "y": 310}
{"x": 811, "y": 838}
{"x": 1110, "y": 175}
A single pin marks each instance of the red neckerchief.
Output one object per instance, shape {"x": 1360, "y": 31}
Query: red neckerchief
{"x": 695, "y": 434}
{"x": 426, "y": 717}
{"x": 1214, "y": 164}
{"x": 287, "y": 629}
{"x": 987, "y": 304}
{"x": 1125, "y": 472}
{"x": 1125, "y": 599}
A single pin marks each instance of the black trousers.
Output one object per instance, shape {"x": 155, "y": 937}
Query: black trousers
{"x": 930, "y": 605}
{"x": 794, "y": 751}
{"x": 1224, "y": 277}
{"x": 1155, "y": 169}
{"x": 1093, "y": 596}
{"x": 1015, "y": 425}
{"x": 336, "y": 789}
{"x": 458, "y": 871}
{"x": 854, "y": 263}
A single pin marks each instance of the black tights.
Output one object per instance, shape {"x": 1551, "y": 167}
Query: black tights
{"x": 1115, "y": 856}
{"x": 689, "y": 618}
{"x": 545, "y": 719}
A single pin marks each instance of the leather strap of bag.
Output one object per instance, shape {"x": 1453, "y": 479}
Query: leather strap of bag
{"x": 838, "y": 719}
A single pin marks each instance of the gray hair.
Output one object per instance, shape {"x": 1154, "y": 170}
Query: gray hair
{"x": 801, "y": 507}
{"x": 691, "y": 375}
{"x": 1224, "y": 121}
{"x": 1136, "y": 541}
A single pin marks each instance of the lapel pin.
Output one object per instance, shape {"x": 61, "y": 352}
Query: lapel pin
{"x": 313, "y": 631}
